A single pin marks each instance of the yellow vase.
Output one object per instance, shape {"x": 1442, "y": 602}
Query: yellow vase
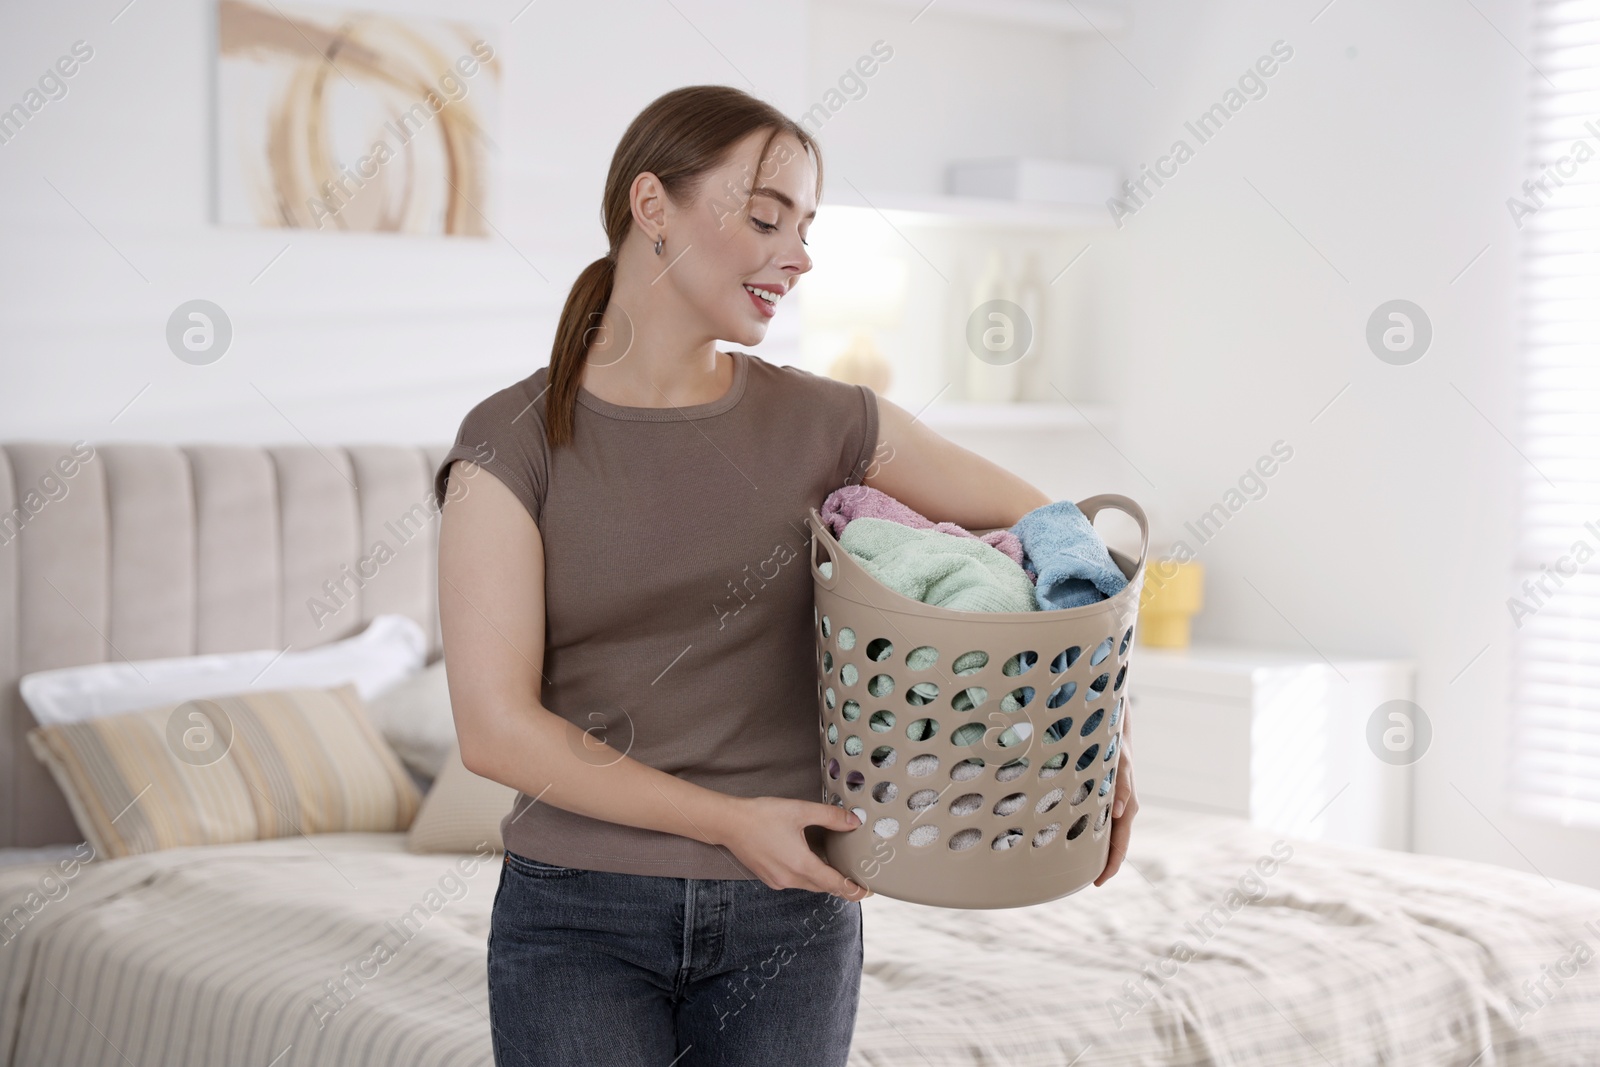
{"x": 1169, "y": 599}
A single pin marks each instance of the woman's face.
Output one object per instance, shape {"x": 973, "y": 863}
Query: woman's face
{"x": 744, "y": 230}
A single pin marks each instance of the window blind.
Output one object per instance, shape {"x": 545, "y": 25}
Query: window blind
{"x": 1555, "y": 745}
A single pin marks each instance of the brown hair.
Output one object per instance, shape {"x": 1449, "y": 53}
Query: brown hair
{"x": 679, "y": 137}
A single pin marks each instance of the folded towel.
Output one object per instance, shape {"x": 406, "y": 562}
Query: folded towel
{"x": 1074, "y": 568}
{"x": 960, "y": 573}
{"x": 863, "y": 501}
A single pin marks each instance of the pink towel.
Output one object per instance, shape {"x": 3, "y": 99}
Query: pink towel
{"x": 857, "y": 501}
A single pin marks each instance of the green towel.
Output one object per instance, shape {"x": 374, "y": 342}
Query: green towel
{"x": 959, "y": 573}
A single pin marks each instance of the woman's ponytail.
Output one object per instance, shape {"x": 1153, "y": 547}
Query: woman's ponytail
{"x": 580, "y": 317}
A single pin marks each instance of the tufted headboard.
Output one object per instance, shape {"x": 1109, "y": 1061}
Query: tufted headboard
{"x": 139, "y": 551}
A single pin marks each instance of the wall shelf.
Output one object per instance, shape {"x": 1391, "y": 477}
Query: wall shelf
{"x": 1022, "y": 415}
{"x": 944, "y": 210}
{"x": 1042, "y": 14}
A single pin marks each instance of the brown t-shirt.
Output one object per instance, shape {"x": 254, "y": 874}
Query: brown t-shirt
{"x": 678, "y": 595}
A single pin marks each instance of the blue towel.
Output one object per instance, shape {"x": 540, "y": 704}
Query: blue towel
{"x": 1073, "y": 565}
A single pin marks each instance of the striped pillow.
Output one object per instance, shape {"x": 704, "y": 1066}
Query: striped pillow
{"x": 244, "y": 767}
{"x": 461, "y": 812}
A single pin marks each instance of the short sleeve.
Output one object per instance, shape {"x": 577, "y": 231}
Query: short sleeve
{"x": 505, "y": 435}
{"x": 867, "y": 424}
{"x": 840, "y": 416}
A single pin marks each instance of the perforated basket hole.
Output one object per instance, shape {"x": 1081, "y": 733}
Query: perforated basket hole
{"x": 969, "y": 698}
{"x": 1021, "y": 663}
{"x": 965, "y": 839}
{"x": 1049, "y": 801}
{"x": 1096, "y": 688}
{"x": 1058, "y": 730}
{"x": 1088, "y": 756}
{"x": 922, "y": 657}
{"x": 1078, "y": 828}
{"x": 1010, "y": 804}
{"x": 881, "y": 721}
{"x": 827, "y": 662}
{"x": 851, "y": 711}
{"x": 854, "y": 781}
{"x": 883, "y": 756}
{"x": 1122, "y": 650}
{"x": 969, "y": 733}
{"x": 1061, "y": 694}
{"x": 847, "y": 638}
{"x": 829, "y": 697}
{"x": 827, "y": 627}
{"x": 881, "y": 685}
{"x": 860, "y": 813}
{"x": 833, "y": 734}
{"x": 886, "y": 827}
{"x": 1111, "y": 749}
{"x": 1065, "y": 659}
{"x": 879, "y": 649}
{"x": 1105, "y": 813}
{"x": 922, "y": 729}
{"x": 966, "y": 804}
{"x": 1101, "y": 651}
{"x": 833, "y": 768}
{"x": 923, "y": 765}
{"x": 1091, "y": 722}
{"x": 1017, "y": 699}
{"x": 970, "y": 662}
{"x": 966, "y": 770}
{"x": 1007, "y": 839}
{"x": 1010, "y": 772}
{"x": 849, "y": 675}
{"x": 852, "y": 745}
{"x": 1052, "y": 766}
{"x": 1083, "y": 792}
{"x": 922, "y": 693}
{"x": 1116, "y": 712}
{"x": 1046, "y": 835}
{"x": 921, "y": 836}
{"x": 1015, "y": 734}
{"x": 1116, "y": 686}
{"x": 1106, "y": 782}
{"x": 922, "y": 798}
{"x": 885, "y": 792}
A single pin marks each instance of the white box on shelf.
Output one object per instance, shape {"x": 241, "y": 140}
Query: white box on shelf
{"x": 1275, "y": 737}
{"x": 1027, "y": 179}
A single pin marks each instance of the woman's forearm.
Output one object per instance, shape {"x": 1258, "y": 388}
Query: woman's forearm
{"x": 550, "y": 759}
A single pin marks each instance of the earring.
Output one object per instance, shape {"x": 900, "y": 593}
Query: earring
{"x": 658, "y": 244}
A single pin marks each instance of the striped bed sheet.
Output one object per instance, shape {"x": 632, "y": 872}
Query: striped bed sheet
{"x": 1217, "y": 944}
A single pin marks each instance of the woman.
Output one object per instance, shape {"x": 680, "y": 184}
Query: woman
{"x": 627, "y": 613}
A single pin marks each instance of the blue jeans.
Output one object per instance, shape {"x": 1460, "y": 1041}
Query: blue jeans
{"x": 631, "y": 970}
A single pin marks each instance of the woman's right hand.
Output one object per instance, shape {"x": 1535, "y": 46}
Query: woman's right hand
{"x": 768, "y": 836}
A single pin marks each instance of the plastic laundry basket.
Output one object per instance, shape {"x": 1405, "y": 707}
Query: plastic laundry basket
{"x": 979, "y": 749}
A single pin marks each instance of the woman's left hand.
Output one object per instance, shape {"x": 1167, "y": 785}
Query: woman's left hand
{"x": 1124, "y": 804}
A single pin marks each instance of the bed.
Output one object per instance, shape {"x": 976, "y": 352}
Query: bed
{"x": 1217, "y": 944}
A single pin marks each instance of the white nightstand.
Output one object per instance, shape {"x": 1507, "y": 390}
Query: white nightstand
{"x": 1271, "y": 736}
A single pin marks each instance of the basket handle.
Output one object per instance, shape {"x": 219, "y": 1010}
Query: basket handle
{"x": 821, "y": 537}
{"x": 1092, "y": 506}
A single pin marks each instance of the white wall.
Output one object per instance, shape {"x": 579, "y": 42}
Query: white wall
{"x": 345, "y": 337}
{"x": 1224, "y": 316}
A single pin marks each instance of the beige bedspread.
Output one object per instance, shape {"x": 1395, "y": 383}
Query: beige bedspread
{"x": 264, "y": 954}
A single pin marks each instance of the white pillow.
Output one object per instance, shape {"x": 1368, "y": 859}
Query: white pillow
{"x": 415, "y": 718}
{"x": 391, "y": 649}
